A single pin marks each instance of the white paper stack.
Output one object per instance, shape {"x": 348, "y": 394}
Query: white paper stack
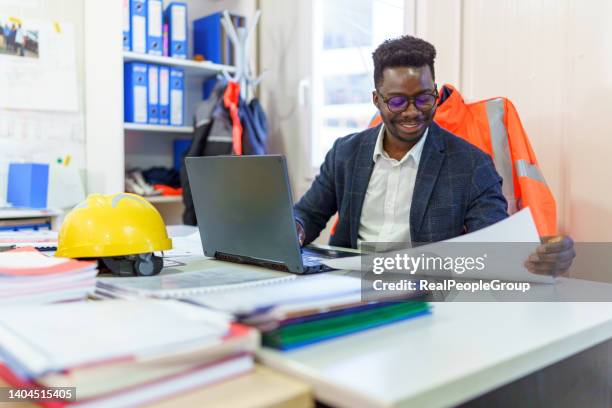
{"x": 121, "y": 353}
{"x": 29, "y": 277}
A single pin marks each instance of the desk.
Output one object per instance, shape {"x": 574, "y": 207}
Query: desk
{"x": 460, "y": 352}
{"x": 261, "y": 388}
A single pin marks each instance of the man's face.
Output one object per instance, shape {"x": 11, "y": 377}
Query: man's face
{"x": 409, "y": 125}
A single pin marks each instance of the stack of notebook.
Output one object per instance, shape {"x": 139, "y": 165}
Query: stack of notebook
{"x": 121, "y": 353}
{"x": 27, "y": 276}
{"x": 291, "y": 311}
{"x": 311, "y": 309}
{"x": 184, "y": 284}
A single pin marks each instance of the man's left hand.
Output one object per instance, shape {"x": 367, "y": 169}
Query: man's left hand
{"x": 553, "y": 257}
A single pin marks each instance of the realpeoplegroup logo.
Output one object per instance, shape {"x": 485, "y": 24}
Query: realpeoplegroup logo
{"x": 494, "y": 285}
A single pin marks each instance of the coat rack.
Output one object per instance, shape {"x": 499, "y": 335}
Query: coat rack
{"x": 239, "y": 36}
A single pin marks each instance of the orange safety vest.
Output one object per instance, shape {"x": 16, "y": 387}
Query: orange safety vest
{"x": 493, "y": 125}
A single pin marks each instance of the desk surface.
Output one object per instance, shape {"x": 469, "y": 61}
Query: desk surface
{"x": 261, "y": 388}
{"x": 459, "y": 352}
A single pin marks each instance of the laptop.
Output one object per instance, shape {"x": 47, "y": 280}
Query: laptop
{"x": 244, "y": 210}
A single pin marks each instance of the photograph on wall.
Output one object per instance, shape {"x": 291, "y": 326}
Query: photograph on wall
{"x": 17, "y": 38}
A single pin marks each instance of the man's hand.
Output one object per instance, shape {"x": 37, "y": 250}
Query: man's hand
{"x": 553, "y": 257}
{"x": 300, "y": 233}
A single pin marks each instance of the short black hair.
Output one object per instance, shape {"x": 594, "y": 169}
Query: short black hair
{"x": 405, "y": 51}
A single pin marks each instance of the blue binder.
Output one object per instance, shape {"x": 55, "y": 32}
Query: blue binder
{"x": 211, "y": 40}
{"x": 127, "y": 40}
{"x": 154, "y": 27}
{"x": 176, "y": 18}
{"x": 153, "y": 98}
{"x": 135, "y": 90}
{"x": 164, "y": 95}
{"x": 177, "y": 96}
{"x": 138, "y": 25}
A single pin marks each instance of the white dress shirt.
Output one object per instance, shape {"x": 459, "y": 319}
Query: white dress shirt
{"x": 385, "y": 216}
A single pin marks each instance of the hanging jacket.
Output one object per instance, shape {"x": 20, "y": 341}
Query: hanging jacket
{"x": 212, "y": 136}
{"x": 493, "y": 125}
{"x": 254, "y": 127}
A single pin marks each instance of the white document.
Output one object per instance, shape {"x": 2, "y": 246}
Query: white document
{"x": 36, "y": 239}
{"x": 51, "y": 338}
{"x": 518, "y": 228}
{"x": 183, "y": 284}
{"x": 27, "y": 260}
{"x": 45, "y": 76}
{"x": 301, "y": 290}
{"x": 65, "y": 186}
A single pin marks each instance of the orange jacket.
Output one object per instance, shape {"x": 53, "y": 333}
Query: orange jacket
{"x": 493, "y": 125}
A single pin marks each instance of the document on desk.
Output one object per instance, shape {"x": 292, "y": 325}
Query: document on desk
{"x": 182, "y": 284}
{"x": 512, "y": 240}
{"x": 42, "y": 239}
{"x": 39, "y": 340}
{"x": 303, "y": 289}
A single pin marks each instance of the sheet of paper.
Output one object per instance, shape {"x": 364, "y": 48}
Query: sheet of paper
{"x": 43, "y": 339}
{"x": 26, "y": 260}
{"x": 40, "y": 75}
{"x": 300, "y": 290}
{"x": 518, "y": 228}
{"x": 185, "y": 247}
{"x": 65, "y": 186}
{"x": 37, "y": 239}
{"x": 182, "y": 284}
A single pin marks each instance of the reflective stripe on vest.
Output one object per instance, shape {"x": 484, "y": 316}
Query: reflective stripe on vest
{"x": 526, "y": 169}
{"x": 501, "y": 150}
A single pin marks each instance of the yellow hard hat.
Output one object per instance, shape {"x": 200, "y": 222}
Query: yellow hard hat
{"x": 112, "y": 225}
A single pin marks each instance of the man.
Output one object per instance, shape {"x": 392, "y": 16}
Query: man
{"x": 408, "y": 180}
{"x": 19, "y": 41}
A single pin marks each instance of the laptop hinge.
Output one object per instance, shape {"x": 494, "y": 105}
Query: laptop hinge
{"x": 277, "y": 266}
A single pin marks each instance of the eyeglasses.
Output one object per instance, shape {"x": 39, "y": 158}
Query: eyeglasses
{"x": 399, "y": 103}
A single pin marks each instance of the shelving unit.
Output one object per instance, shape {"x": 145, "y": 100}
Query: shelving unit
{"x": 201, "y": 68}
{"x": 164, "y": 199}
{"x": 112, "y": 146}
{"x": 158, "y": 137}
{"x": 157, "y": 128}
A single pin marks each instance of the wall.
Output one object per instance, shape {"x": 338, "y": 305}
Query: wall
{"x": 553, "y": 59}
{"x": 43, "y": 136}
{"x": 284, "y": 40}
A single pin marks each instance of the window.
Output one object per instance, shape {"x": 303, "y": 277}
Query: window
{"x": 345, "y": 33}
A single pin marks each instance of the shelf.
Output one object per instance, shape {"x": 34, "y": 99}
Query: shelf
{"x": 157, "y": 128}
{"x": 165, "y": 199}
{"x": 203, "y": 68}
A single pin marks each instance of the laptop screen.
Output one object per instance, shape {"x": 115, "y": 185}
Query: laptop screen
{"x": 244, "y": 207}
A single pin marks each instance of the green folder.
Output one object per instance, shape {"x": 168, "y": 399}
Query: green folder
{"x": 300, "y": 334}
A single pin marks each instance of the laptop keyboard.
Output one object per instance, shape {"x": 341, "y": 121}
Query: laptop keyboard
{"x": 312, "y": 262}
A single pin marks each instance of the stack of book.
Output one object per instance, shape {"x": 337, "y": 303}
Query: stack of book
{"x": 27, "y": 276}
{"x": 120, "y": 353}
{"x": 311, "y": 309}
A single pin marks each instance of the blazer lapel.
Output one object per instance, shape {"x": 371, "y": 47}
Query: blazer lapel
{"x": 362, "y": 171}
{"x": 427, "y": 175}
